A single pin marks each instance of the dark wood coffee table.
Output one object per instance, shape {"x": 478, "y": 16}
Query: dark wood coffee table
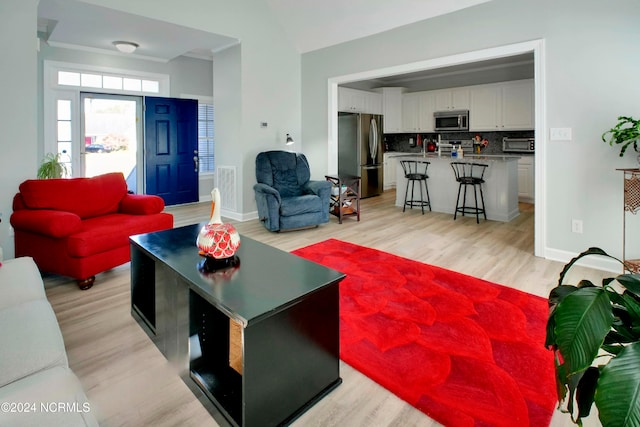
{"x": 258, "y": 342}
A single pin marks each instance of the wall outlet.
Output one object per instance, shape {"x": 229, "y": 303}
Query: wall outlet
{"x": 576, "y": 226}
{"x": 560, "y": 134}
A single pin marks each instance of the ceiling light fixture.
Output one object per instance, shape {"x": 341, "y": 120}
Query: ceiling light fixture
{"x": 125, "y": 47}
{"x": 290, "y": 140}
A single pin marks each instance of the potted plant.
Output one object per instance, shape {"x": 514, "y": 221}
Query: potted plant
{"x": 625, "y": 133}
{"x": 52, "y": 167}
{"x": 594, "y": 332}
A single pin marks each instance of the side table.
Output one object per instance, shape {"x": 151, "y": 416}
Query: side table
{"x": 632, "y": 205}
{"x": 345, "y": 196}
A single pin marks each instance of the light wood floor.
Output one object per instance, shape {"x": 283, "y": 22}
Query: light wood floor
{"x": 129, "y": 383}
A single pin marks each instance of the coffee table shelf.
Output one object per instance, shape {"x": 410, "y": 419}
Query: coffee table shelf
{"x": 286, "y": 311}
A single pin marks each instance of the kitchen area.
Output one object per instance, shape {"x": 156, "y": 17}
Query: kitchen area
{"x": 411, "y": 117}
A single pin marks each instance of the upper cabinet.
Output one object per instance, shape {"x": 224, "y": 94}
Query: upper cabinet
{"x": 451, "y": 99}
{"x": 484, "y": 112}
{"x": 359, "y": 101}
{"x": 502, "y": 106}
{"x": 492, "y": 107}
{"x": 518, "y": 105}
{"x": 417, "y": 112}
{"x": 392, "y": 109}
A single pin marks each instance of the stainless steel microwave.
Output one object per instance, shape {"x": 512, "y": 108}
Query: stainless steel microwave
{"x": 518, "y": 145}
{"x": 451, "y": 120}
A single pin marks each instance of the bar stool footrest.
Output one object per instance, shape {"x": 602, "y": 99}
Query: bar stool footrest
{"x": 470, "y": 210}
{"x": 417, "y": 203}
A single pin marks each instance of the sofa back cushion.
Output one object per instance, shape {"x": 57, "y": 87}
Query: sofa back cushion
{"x": 85, "y": 197}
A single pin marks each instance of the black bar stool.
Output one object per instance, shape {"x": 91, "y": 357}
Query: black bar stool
{"x": 416, "y": 171}
{"x": 469, "y": 174}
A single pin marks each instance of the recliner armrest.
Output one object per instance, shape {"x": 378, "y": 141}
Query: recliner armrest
{"x": 48, "y": 222}
{"x": 264, "y": 188}
{"x": 320, "y": 188}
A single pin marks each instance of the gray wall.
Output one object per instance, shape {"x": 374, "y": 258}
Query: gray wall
{"x": 18, "y": 112}
{"x": 592, "y": 67}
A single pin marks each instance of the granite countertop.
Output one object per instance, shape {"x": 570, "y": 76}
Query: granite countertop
{"x": 432, "y": 156}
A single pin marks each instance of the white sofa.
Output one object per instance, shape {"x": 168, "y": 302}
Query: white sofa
{"x": 37, "y": 388}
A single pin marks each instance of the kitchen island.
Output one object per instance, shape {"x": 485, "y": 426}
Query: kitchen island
{"x": 500, "y": 187}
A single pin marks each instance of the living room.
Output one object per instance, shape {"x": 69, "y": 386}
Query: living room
{"x": 270, "y": 80}
{"x": 298, "y": 83}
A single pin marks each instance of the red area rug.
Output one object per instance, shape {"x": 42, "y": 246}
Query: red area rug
{"x": 464, "y": 351}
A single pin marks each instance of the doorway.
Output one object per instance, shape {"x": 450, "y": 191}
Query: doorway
{"x": 111, "y": 136}
{"x": 534, "y": 46}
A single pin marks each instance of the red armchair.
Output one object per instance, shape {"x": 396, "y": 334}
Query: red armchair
{"x": 81, "y": 226}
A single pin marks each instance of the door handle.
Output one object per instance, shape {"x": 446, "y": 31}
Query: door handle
{"x": 196, "y": 164}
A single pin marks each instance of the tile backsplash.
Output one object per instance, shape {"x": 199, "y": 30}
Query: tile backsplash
{"x": 400, "y": 141}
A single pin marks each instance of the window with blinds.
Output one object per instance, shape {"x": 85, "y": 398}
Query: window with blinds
{"x": 205, "y": 138}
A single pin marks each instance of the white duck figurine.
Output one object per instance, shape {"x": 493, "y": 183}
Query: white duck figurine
{"x": 217, "y": 240}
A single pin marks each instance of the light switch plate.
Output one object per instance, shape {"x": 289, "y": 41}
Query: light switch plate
{"x": 560, "y": 134}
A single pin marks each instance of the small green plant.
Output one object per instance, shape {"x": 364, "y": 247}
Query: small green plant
{"x": 625, "y": 133}
{"x": 52, "y": 167}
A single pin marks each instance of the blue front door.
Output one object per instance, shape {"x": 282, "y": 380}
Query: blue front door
{"x": 171, "y": 149}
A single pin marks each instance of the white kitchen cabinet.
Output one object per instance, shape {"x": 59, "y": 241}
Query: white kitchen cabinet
{"x": 392, "y": 109}
{"x": 389, "y": 170}
{"x": 451, "y": 99}
{"x": 518, "y": 105}
{"x": 484, "y": 113}
{"x": 502, "y": 106}
{"x": 359, "y": 101}
{"x": 526, "y": 179}
{"x": 350, "y": 100}
{"x": 410, "y": 112}
{"x": 417, "y": 112}
{"x": 427, "y": 108}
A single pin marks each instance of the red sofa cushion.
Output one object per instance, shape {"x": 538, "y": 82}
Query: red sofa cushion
{"x": 112, "y": 231}
{"x": 99, "y": 195}
{"x": 43, "y": 221}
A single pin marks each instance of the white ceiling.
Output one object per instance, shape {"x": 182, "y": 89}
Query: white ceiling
{"x": 78, "y": 25}
{"x": 314, "y": 24}
{"x": 310, "y": 24}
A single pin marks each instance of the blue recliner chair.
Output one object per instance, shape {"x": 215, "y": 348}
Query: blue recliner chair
{"x": 286, "y": 197}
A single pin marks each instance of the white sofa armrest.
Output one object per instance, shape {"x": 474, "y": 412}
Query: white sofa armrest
{"x": 20, "y": 282}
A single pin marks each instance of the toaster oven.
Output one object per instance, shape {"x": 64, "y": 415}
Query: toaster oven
{"x": 518, "y": 145}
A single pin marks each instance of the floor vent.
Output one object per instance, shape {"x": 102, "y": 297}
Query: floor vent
{"x": 226, "y": 179}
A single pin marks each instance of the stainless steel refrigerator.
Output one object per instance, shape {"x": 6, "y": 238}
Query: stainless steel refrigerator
{"x": 360, "y": 150}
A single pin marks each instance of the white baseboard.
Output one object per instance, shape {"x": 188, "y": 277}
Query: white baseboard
{"x": 239, "y": 216}
{"x": 593, "y": 261}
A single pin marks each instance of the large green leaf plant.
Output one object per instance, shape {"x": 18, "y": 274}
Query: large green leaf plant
{"x": 594, "y": 332}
